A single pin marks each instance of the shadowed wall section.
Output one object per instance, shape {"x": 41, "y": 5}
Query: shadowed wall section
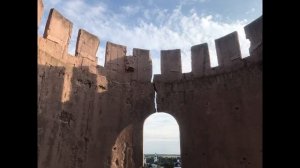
{"x": 91, "y": 116}
{"x": 219, "y": 110}
{"x": 88, "y": 115}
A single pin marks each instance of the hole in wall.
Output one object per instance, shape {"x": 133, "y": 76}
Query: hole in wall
{"x": 161, "y": 140}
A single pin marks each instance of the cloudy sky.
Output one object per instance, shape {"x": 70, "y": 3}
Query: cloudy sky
{"x": 158, "y": 25}
{"x": 161, "y": 134}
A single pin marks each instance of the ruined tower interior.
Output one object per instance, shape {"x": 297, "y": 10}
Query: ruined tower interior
{"x": 91, "y": 116}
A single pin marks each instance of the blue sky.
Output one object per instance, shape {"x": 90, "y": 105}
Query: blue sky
{"x": 158, "y": 25}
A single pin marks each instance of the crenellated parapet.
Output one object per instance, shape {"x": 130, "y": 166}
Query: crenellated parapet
{"x": 200, "y": 56}
{"x": 56, "y": 39}
{"x": 87, "y": 45}
{"x": 58, "y": 29}
{"x": 115, "y": 57}
{"x": 171, "y": 64}
{"x": 254, "y": 34}
{"x": 228, "y": 55}
{"x": 117, "y": 66}
{"x": 228, "y": 52}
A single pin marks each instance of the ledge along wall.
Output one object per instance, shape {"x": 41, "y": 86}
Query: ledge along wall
{"x": 91, "y": 116}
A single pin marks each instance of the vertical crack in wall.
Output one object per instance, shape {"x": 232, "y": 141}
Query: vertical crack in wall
{"x": 155, "y": 104}
{"x": 155, "y": 94}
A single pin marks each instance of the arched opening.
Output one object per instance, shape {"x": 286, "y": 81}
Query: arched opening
{"x": 161, "y": 141}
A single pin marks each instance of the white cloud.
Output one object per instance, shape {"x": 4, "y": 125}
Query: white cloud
{"x": 79, "y": 12}
{"x": 130, "y": 10}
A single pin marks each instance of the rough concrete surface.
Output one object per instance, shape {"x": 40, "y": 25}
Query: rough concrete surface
{"x": 91, "y": 116}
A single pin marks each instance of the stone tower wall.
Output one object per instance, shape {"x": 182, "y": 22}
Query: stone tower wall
{"x": 91, "y": 116}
